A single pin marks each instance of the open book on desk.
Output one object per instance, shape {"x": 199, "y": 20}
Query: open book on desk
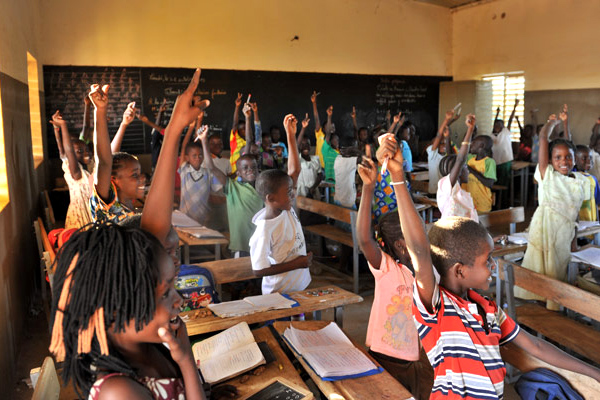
{"x": 252, "y": 304}
{"x": 228, "y": 354}
{"x": 330, "y": 353}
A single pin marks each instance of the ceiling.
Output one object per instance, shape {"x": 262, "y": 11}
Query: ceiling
{"x": 451, "y": 3}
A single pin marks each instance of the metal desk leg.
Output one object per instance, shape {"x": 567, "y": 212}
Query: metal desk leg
{"x": 317, "y": 315}
{"x": 355, "y": 268}
{"x": 338, "y": 316}
{"x": 327, "y": 195}
{"x": 512, "y": 187}
{"x": 186, "y": 253}
{"x": 526, "y": 190}
{"x": 217, "y": 252}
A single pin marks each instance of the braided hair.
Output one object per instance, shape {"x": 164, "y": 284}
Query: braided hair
{"x": 120, "y": 158}
{"x": 390, "y": 232}
{"x": 446, "y": 164}
{"x": 105, "y": 276}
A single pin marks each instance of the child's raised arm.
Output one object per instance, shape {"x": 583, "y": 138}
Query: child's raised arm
{"x": 247, "y": 111}
{"x": 313, "y": 100}
{"x": 564, "y": 117}
{"x": 151, "y": 124}
{"x": 257, "y": 125}
{"x": 368, "y": 173}
{"x": 193, "y": 127}
{"x": 328, "y": 124}
{"x": 410, "y": 222}
{"x": 443, "y": 127}
{"x": 128, "y": 117}
{"x": 102, "y": 153}
{"x": 354, "y": 123}
{"x": 464, "y": 150}
{"x": 56, "y": 124}
{"x": 65, "y": 145}
{"x": 210, "y": 164}
{"x": 236, "y": 111}
{"x": 512, "y": 114}
{"x": 544, "y": 157}
{"x": 305, "y": 122}
{"x": 156, "y": 217}
{"x": 293, "y": 167}
{"x": 86, "y": 129}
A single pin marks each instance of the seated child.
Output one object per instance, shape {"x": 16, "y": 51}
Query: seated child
{"x": 311, "y": 173}
{"x": 482, "y": 173}
{"x": 502, "y": 150}
{"x": 75, "y": 157}
{"x": 460, "y": 330}
{"x": 197, "y": 183}
{"x": 277, "y": 247}
{"x": 452, "y": 199}
{"x": 583, "y": 164}
{"x": 345, "y": 174}
{"x": 275, "y": 134}
{"x": 553, "y": 225}
{"x": 437, "y": 150}
{"x": 391, "y": 334}
{"x": 361, "y": 135}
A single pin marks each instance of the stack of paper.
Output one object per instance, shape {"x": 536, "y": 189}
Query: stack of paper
{"x": 583, "y": 225}
{"x": 251, "y": 305}
{"x": 330, "y": 353}
{"x": 519, "y": 238}
{"x": 228, "y": 354}
{"x": 202, "y": 232}
{"x": 589, "y": 255}
{"x": 180, "y": 219}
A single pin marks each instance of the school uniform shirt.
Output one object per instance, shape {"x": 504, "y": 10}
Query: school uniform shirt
{"x": 242, "y": 204}
{"x": 345, "y": 181}
{"x": 502, "y": 147}
{"x": 221, "y": 163}
{"x": 236, "y": 144}
{"x": 589, "y": 208}
{"x": 433, "y": 160}
{"x": 320, "y": 136}
{"x": 481, "y": 194}
{"x": 391, "y": 330}
{"x": 595, "y": 164}
{"x": 196, "y": 186}
{"x": 108, "y": 211}
{"x": 465, "y": 358}
{"x": 309, "y": 172}
{"x": 329, "y": 155}
{"x": 276, "y": 241}
{"x": 455, "y": 201}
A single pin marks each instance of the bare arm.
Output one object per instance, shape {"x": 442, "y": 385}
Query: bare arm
{"x": 544, "y": 157}
{"x": 354, "y": 123}
{"x": 151, "y": 124}
{"x": 102, "y": 152}
{"x": 313, "y": 100}
{"x": 464, "y": 150}
{"x": 87, "y": 129}
{"x": 247, "y": 111}
{"x": 305, "y": 122}
{"x": 487, "y": 182}
{"x": 217, "y": 173}
{"x": 368, "y": 173}
{"x": 293, "y": 166}
{"x": 512, "y": 114}
{"x": 236, "y": 112}
{"x": 443, "y": 126}
{"x": 128, "y": 117}
{"x": 564, "y": 117}
{"x": 595, "y": 133}
{"x": 275, "y": 269}
{"x": 57, "y": 133}
{"x": 328, "y": 123}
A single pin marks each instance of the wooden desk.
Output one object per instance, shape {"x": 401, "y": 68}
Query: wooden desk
{"x": 510, "y": 248}
{"x": 591, "y": 231}
{"x": 281, "y": 367}
{"x": 520, "y": 169}
{"x": 188, "y": 240}
{"x": 308, "y": 304}
{"x": 573, "y": 266}
{"x": 420, "y": 175}
{"x": 378, "y": 386}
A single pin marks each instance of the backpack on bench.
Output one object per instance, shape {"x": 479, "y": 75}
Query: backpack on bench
{"x": 197, "y": 287}
{"x": 543, "y": 384}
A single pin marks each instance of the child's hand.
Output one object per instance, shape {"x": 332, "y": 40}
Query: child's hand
{"x": 397, "y": 118}
{"x": 517, "y": 101}
{"x": 290, "y": 124}
{"x": 470, "y": 121}
{"x": 329, "y": 111}
{"x": 446, "y": 132}
{"x": 179, "y": 343}
{"x": 449, "y": 115}
{"x": 238, "y": 100}
{"x": 141, "y": 117}
{"x": 389, "y": 149}
{"x": 308, "y": 258}
{"x": 247, "y": 110}
{"x": 402, "y": 118}
{"x": 388, "y": 115}
{"x": 305, "y": 121}
{"x": 163, "y": 106}
{"x": 201, "y": 134}
{"x": 57, "y": 120}
{"x": 564, "y": 114}
{"x": 99, "y": 96}
{"x": 254, "y": 107}
{"x": 313, "y": 97}
{"x": 497, "y": 109}
{"x": 552, "y": 120}
{"x": 367, "y": 171}
{"x": 353, "y": 114}
{"x": 185, "y": 109}
{"x": 129, "y": 114}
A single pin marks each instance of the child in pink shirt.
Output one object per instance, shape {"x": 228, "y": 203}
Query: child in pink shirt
{"x": 391, "y": 334}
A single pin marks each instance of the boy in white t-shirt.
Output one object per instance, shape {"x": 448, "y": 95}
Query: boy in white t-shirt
{"x": 277, "y": 247}
{"x": 439, "y": 148}
{"x": 502, "y": 150}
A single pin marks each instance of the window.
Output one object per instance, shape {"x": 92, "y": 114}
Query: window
{"x": 506, "y": 88}
{"x": 4, "y": 195}
{"x": 37, "y": 142}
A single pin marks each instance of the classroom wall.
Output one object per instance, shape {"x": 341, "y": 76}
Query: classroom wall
{"x": 350, "y": 36}
{"x": 18, "y": 250}
{"x": 554, "y": 42}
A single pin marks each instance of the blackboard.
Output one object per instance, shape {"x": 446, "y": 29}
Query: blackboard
{"x": 277, "y": 94}
{"x": 277, "y": 391}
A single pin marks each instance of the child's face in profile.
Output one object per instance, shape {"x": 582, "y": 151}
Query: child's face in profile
{"x": 141, "y": 192}
{"x": 282, "y": 198}
{"x": 562, "y": 159}
{"x": 247, "y": 170}
{"x": 583, "y": 160}
{"x": 127, "y": 180}
{"x": 194, "y": 157}
{"x": 479, "y": 275}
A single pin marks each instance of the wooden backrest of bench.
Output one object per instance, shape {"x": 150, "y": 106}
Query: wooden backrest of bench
{"x": 503, "y": 217}
{"x": 567, "y": 295}
{"x": 586, "y": 386}
{"x": 328, "y": 210}
{"x": 230, "y": 270}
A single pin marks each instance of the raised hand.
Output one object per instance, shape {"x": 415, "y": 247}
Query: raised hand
{"x": 367, "y": 171}
{"x": 313, "y": 97}
{"x": 305, "y": 121}
{"x": 564, "y": 114}
{"x": 402, "y": 118}
{"x": 329, "y": 111}
{"x": 353, "y": 114}
{"x": 470, "y": 121}
{"x": 247, "y": 110}
{"x": 517, "y": 101}
{"x": 163, "y": 106}
{"x": 290, "y": 124}
{"x": 389, "y": 149}
{"x": 57, "y": 120}
{"x": 201, "y": 134}
{"x": 388, "y": 115}
{"x": 449, "y": 115}
{"x": 129, "y": 113}
{"x": 238, "y": 100}
{"x": 99, "y": 96}
{"x": 396, "y": 118}
{"x": 186, "y": 109}
{"x": 254, "y": 107}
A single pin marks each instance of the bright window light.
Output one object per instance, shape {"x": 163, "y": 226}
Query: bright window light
{"x": 37, "y": 142}
{"x": 506, "y": 88}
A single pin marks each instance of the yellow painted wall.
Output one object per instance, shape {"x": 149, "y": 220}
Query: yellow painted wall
{"x": 555, "y": 42}
{"x": 352, "y": 36}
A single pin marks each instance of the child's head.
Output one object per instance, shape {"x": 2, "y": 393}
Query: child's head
{"x": 275, "y": 134}
{"x": 596, "y": 146}
{"x": 461, "y": 252}
{"x": 482, "y": 146}
{"x": 215, "y": 144}
{"x": 498, "y": 125}
{"x": 241, "y": 128}
{"x": 266, "y": 141}
{"x": 194, "y": 155}
{"x": 407, "y": 130}
{"x": 82, "y": 151}
{"x": 112, "y": 285}
{"x": 171, "y": 244}
{"x": 562, "y": 155}
{"x": 393, "y": 240}
{"x": 363, "y": 135}
{"x": 125, "y": 175}
{"x": 334, "y": 141}
{"x": 143, "y": 186}
{"x": 278, "y": 149}
{"x": 276, "y": 189}
{"x": 304, "y": 146}
{"x": 583, "y": 160}
{"x": 446, "y": 165}
{"x": 247, "y": 168}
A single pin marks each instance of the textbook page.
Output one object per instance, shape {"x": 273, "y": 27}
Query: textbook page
{"x": 233, "y": 363}
{"x": 590, "y": 255}
{"x": 236, "y": 308}
{"x": 272, "y": 301}
{"x": 343, "y": 361}
{"x": 304, "y": 340}
{"x": 230, "y": 339}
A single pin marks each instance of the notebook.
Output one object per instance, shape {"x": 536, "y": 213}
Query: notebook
{"x": 589, "y": 255}
{"x": 252, "y": 304}
{"x": 330, "y": 353}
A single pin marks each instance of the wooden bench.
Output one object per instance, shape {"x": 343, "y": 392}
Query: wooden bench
{"x": 576, "y": 336}
{"x": 332, "y": 232}
{"x": 510, "y": 216}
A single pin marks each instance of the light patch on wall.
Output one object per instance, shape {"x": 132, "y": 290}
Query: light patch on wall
{"x": 37, "y": 142}
{"x": 506, "y": 89}
{"x": 4, "y": 194}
